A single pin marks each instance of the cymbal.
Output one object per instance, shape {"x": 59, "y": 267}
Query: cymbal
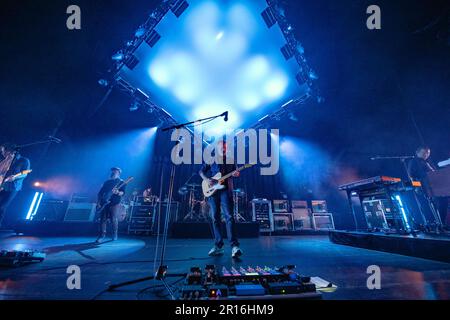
{"x": 195, "y": 185}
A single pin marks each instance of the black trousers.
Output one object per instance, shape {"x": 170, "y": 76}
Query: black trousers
{"x": 6, "y": 197}
{"x": 109, "y": 214}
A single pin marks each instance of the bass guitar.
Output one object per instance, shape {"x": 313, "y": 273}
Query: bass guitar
{"x": 111, "y": 193}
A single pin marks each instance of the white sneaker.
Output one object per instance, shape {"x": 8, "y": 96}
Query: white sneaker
{"x": 236, "y": 252}
{"x": 216, "y": 251}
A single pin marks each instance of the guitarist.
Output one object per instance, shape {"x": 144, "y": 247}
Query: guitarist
{"x": 221, "y": 200}
{"x": 12, "y": 164}
{"x": 109, "y": 198}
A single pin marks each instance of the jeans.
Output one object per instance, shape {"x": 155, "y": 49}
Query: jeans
{"x": 108, "y": 213}
{"x": 6, "y": 197}
{"x": 222, "y": 201}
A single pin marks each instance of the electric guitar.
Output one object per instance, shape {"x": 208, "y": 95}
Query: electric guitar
{"x": 103, "y": 205}
{"x": 12, "y": 178}
{"x": 209, "y": 190}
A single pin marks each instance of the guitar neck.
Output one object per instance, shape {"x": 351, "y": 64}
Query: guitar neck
{"x": 231, "y": 173}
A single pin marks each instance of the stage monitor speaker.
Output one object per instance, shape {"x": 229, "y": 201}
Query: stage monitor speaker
{"x": 77, "y": 212}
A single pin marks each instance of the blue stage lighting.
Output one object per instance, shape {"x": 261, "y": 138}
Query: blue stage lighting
{"x": 217, "y": 56}
{"x": 34, "y": 205}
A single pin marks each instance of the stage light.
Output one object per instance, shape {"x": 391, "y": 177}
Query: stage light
{"x": 37, "y": 184}
{"x": 103, "y": 82}
{"x": 118, "y": 56}
{"x": 218, "y": 55}
{"x": 292, "y": 117}
{"x": 313, "y": 75}
{"x": 219, "y": 35}
{"x": 134, "y": 106}
{"x": 139, "y": 32}
{"x": 34, "y": 205}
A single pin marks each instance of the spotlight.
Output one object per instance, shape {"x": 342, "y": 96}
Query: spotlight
{"x": 118, "y": 56}
{"x": 103, "y": 82}
{"x": 131, "y": 62}
{"x": 292, "y": 117}
{"x": 313, "y": 75}
{"x": 269, "y": 17}
{"x": 152, "y": 38}
{"x": 37, "y": 184}
{"x": 287, "y": 51}
{"x": 140, "y": 32}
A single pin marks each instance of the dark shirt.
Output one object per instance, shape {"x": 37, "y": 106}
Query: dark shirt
{"x": 18, "y": 165}
{"x": 105, "y": 192}
{"x": 211, "y": 170}
{"x": 418, "y": 168}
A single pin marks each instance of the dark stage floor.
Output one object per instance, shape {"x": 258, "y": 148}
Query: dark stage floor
{"x": 402, "y": 277}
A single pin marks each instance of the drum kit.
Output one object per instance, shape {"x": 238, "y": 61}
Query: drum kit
{"x": 198, "y": 206}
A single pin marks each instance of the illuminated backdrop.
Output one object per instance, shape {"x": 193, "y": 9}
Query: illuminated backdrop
{"x": 217, "y": 56}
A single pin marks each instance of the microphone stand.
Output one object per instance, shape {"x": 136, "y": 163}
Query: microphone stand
{"x": 200, "y": 121}
{"x": 161, "y": 272}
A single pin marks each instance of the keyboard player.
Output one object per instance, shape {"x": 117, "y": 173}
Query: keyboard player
{"x": 418, "y": 169}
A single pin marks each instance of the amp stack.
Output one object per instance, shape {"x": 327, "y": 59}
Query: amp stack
{"x": 291, "y": 216}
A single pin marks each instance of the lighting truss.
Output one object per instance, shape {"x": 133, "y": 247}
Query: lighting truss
{"x": 272, "y": 15}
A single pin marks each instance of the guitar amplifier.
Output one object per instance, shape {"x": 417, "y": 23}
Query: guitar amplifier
{"x": 299, "y": 204}
{"x": 51, "y": 210}
{"x": 319, "y": 206}
{"x": 142, "y": 211}
{"x": 283, "y": 222}
{"x": 302, "y": 218}
{"x": 262, "y": 213}
{"x": 323, "y": 221}
{"x": 80, "y": 212}
{"x": 280, "y": 205}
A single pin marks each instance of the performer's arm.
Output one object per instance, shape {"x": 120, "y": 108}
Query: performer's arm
{"x": 120, "y": 192}
{"x": 24, "y": 165}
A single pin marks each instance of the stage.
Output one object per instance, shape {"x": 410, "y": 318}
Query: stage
{"x": 427, "y": 246}
{"x": 128, "y": 258}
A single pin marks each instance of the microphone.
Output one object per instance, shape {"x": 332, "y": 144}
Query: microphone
{"x": 225, "y": 114}
{"x": 54, "y": 139}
